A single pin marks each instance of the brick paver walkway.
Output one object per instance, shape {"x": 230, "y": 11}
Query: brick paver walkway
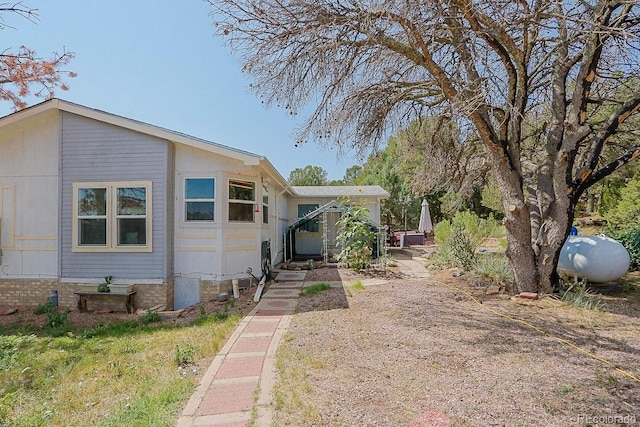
{"x": 243, "y": 373}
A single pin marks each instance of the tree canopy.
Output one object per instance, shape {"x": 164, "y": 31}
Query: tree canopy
{"x": 309, "y": 175}
{"x": 22, "y": 71}
{"x": 544, "y": 86}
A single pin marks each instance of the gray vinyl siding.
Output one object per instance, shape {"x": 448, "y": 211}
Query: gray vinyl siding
{"x": 96, "y": 151}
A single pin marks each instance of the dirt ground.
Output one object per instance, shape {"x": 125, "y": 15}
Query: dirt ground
{"x": 440, "y": 352}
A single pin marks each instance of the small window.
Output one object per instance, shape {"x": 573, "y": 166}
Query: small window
{"x": 199, "y": 198}
{"x": 242, "y": 200}
{"x": 313, "y": 225}
{"x": 265, "y": 205}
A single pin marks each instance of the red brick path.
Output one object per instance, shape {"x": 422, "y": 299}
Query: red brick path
{"x": 242, "y": 374}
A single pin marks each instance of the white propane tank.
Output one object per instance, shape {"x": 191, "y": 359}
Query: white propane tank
{"x": 596, "y": 258}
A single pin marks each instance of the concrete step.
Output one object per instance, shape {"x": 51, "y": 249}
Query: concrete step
{"x": 280, "y": 293}
{"x": 286, "y": 285}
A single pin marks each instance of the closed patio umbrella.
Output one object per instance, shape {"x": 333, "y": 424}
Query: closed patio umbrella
{"x": 425, "y": 225}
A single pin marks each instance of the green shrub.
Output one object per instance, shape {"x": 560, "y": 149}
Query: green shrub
{"x": 57, "y": 319}
{"x": 623, "y": 217}
{"x": 462, "y": 250}
{"x": 57, "y": 322}
{"x": 458, "y": 239}
{"x": 492, "y": 199}
{"x": 631, "y": 241}
{"x": 476, "y": 228}
{"x": 611, "y": 188}
{"x": 442, "y": 231}
{"x": 444, "y": 257}
{"x": 43, "y": 308}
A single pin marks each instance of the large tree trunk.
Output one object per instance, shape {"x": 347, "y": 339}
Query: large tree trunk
{"x": 534, "y": 258}
{"x": 535, "y": 234}
{"x": 517, "y": 222}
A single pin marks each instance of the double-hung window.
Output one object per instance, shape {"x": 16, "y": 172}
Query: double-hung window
{"x": 112, "y": 216}
{"x": 199, "y": 199}
{"x": 242, "y": 200}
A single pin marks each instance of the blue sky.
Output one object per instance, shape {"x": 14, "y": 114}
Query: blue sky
{"x": 159, "y": 62}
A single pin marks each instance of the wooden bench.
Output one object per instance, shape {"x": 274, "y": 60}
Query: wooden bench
{"x": 83, "y": 296}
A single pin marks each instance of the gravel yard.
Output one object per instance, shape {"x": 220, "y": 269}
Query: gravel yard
{"x": 440, "y": 352}
{"x": 426, "y": 353}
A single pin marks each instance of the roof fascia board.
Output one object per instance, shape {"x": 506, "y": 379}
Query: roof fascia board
{"x": 28, "y": 112}
{"x": 273, "y": 173}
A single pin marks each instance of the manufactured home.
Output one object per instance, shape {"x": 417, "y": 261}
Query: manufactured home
{"x": 86, "y": 195}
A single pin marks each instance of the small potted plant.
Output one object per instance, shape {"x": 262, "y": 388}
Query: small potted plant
{"x": 104, "y": 286}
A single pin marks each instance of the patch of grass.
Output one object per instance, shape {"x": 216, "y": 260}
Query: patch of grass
{"x": 357, "y": 286}
{"x": 115, "y": 330}
{"x": 605, "y": 379}
{"x": 315, "y": 289}
{"x": 10, "y": 347}
{"x": 153, "y": 409}
{"x": 293, "y": 387}
{"x": 107, "y": 375}
{"x": 494, "y": 266}
{"x": 254, "y": 410}
{"x": 629, "y": 287}
{"x": 150, "y": 317}
{"x": 579, "y": 296}
{"x": 565, "y": 389}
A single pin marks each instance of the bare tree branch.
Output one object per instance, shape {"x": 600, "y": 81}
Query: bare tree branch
{"x": 23, "y": 72}
{"x": 531, "y": 80}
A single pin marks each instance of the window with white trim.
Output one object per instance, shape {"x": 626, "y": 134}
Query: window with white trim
{"x": 112, "y": 216}
{"x": 242, "y": 200}
{"x": 199, "y": 199}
